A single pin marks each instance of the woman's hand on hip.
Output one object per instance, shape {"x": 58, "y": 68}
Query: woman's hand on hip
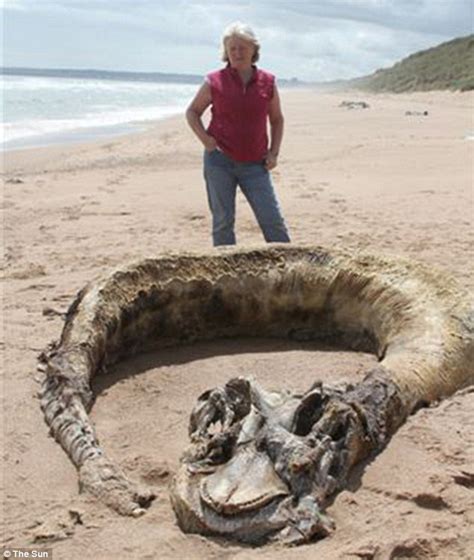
{"x": 210, "y": 144}
{"x": 271, "y": 161}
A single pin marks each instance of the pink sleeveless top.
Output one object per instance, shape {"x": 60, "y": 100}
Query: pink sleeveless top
{"x": 239, "y": 113}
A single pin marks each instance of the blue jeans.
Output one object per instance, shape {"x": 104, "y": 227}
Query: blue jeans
{"x": 223, "y": 175}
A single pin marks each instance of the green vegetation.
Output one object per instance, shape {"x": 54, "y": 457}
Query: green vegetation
{"x": 447, "y": 66}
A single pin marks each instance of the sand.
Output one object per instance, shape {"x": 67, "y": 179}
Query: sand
{"x": 372, "y": 179}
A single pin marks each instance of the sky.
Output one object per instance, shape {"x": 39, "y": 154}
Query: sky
{"x": 312, "y": 40}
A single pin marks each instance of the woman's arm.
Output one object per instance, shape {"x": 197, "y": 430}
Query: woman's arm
{"x": 275, "y": 116}
{"x": 198, "y": 105}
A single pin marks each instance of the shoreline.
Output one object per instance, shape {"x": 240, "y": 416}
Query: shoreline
{"x": 86, "y": 135}
{"x": 82, "y": 135}
{"x": 97, "y": 134}
{"x": 71, "y": 137}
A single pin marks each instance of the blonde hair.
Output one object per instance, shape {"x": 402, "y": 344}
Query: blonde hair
{"x": 243, "y": 31}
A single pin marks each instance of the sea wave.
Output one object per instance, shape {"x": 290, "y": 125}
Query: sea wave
{"x": 38, "y": 127}
{"x": 28, "y": 83}
{"x": 37, "y": 106}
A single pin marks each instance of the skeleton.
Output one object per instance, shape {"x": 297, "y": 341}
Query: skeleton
{"x": 277, "y": 458}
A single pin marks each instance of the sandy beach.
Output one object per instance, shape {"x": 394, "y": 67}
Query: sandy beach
{"x": 373, "y": 179}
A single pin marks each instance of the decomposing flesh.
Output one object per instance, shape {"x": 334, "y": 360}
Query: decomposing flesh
{"x": 277, "y": 457}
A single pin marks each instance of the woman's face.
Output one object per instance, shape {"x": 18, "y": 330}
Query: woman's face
{"x": 239, "y": 52}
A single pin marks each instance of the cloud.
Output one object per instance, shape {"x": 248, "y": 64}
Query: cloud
{"x": 432, "y": 16}
{"x": 426, "y": 16}
{"x": 314, "y": 40}
{"x": 12, "y": 5}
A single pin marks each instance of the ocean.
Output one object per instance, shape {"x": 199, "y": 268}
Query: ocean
{"x": 40, "y": 110}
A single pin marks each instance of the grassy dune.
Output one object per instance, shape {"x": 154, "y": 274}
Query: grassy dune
{"x": 447, "y": 66}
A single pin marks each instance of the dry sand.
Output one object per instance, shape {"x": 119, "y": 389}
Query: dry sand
{"x": 372, "y": 179}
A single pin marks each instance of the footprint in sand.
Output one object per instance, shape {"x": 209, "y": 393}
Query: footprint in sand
{"x": 72, "y": 213}
{"x": 15, "y": 181}
{"x": 105, "y": 189}
{"x": 168, "y": 137}
{"x": 195, "y": 217}
{"x": 38, "y": 287}
{"x": 118, "y": 180}
{"x": 309, "y": 192}
{"x": 30, "y": 271}
{"x": 109, "y": 147}
{"x": 56, "y": 526}
{"x": 8, "y": 204}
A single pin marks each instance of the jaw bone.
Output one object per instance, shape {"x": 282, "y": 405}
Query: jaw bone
{"x": 270, "y": 473}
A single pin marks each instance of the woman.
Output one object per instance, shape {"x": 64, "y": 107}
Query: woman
{"x": 242, "y": 98}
